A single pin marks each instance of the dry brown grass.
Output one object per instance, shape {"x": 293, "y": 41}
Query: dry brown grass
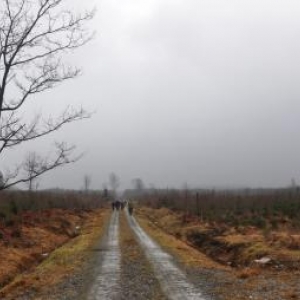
{"x": 285, "y": 240}
{"x": 184, "y": 252}
{"x": 43, "y": 233}
{"x": 291, "y": 295}
{"x": 229, "y": 245}
{"x": 61, "y": 262}
{"x": 239, "y": 246}
{"x": 248, "y": 272}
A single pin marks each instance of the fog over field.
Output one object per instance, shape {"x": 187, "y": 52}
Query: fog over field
{"x": 199, "y": 91}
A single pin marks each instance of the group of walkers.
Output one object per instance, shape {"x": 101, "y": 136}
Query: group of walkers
{"x": 120, "y": 205}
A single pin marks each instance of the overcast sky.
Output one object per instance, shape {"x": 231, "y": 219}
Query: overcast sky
{"x": 185, "y": 91}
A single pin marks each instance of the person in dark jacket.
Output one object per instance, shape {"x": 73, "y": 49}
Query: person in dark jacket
{"x": 130, "y": 208}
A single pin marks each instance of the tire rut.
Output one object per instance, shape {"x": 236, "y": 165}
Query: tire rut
{"x": 107, "y": 282}
{"x": 173, "y": 281}
{"x": 138, "y": 281}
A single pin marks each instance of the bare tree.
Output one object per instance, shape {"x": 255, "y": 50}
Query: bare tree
{"x": 39, "y": 166}
{"x": 105, "y": 192}
{"x": 114, "y": 182}
{"x": 186, "y": 201}
{"x": 1, "y": 180}
{"x": 87, "y": 182}
{"x": 31, "y": 164}
{"x": 139, "y": 187}
{"x": 138, "y": 184}
{"x": 34, "y": 34}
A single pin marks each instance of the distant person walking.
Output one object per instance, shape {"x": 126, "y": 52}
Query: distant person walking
{"x": 130, "y": 208}
{"x": 118, "y": 205}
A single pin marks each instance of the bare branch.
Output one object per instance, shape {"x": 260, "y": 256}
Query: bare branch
{"x": 14, "y": 132}
{"x": 34, "y": 36}
{"x": 49, "y": 76}
{"x": 35, "y": 166}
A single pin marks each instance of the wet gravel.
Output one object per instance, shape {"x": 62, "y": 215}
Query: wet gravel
{"x": 217, "y": 284}
{"x": 207, "y": 280}
{"x": 225, "y": 285}
{"x": 138, "y": 281}
{"x": 106, "y": 284}
{"x": 77, "y": 285}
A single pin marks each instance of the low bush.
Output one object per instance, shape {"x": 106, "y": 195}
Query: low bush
{"x": 260, "y": 208}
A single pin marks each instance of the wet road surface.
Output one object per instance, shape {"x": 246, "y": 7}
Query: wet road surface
{"x": 107, "y": 285}
{"x": 173, "y": 281}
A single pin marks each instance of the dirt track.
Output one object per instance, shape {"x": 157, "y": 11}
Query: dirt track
{"x": 107, "y": 282}
{"x": 137, "y": 260}
{"x": 173, "y": 281}
{"x": 150, "y": 271}
{"x": 107, "y": 285}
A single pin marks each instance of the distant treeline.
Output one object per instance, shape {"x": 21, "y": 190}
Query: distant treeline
{"x": 257, "y": 207}
{"x": 14, "y": 202}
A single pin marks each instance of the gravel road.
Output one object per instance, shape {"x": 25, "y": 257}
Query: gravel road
{"x": 107, "y": 282}
{"x": 138, "y": 280}
{"x": 173, "y": 281}
{"x": 145, "y": 271}
{"x": 128, "y": 265}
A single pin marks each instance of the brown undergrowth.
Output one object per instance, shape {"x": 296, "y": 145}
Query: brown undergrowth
{"x": 234, "y": 246}
{"x": 248, "y": 280}
{"x": 183, "y": 251}
{"x": 50, "y": 245}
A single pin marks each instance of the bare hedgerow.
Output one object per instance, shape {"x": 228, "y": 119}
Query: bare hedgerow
{"x": 34, "y": 35}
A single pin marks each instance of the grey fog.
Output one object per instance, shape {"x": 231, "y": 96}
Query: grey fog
{"x": 203, "y": 92}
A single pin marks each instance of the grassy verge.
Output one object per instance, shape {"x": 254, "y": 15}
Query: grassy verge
{"x": 184, "y": 252}
{"x": 236, "y": 246}
{"x": 63, "y": 261}
{"x": 254, "y": 282}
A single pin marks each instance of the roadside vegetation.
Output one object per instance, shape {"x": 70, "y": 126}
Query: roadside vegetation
{"x": 34, "y": 224}
{"x": 246, "y": 228}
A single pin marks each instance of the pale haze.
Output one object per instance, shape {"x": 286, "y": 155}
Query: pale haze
{"x": 183, "y": 91}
